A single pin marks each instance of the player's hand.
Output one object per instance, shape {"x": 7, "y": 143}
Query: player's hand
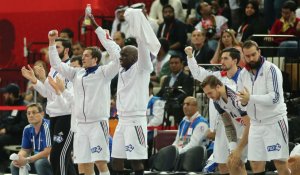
{"x": 29, "y": 74}
{"x": 189, "y": 51}
{"x": 244, "y": 96}
{"x": 40, "y": 72}
{"x": 210, "y": 134}
{"x": 54, "y": 85}
{"x": 52, "y": 35}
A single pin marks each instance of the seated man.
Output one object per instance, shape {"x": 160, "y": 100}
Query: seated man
{"x": 175, "y": 88}
{"x": 36, "y": 141}
{"x": 11, "y": 121}
{"x": 193, "y": 127}
{"x": 155, "y": 109}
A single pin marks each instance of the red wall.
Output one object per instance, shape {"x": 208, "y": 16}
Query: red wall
{"x": 34, "y": 18}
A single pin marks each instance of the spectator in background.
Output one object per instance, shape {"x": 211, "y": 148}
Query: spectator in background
{"x": 120, "y": 24}
{"x": 251, "y": 23}
{"x": 77, "y": 49}
{"x": 156, "y": 10}
{"x": 36, "y": 142}
{"x": 76, "y": 61}
{"x": 67, "y": 34}
{"x": 153, "y": 23}
{"x": 172, "y": 30}
{"x": 288, "y": 24}
{"x": 31, "y": 94}
{"x": 119, "y": 38}
{"x": 155, "y": 109}
{"x": 161, "y": 62}
{"x": 227, "y": 40}
{"x": 175, "y": 88}
{"x": 193, "y": 127}
{"x": 214, "y": 25}
{"x": 12, "y": 122}
{"x": 202, "y": 52}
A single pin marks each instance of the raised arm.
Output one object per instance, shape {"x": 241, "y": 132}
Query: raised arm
{"x": 111, "y": 47}
{"x": 55, "y": 62}
{"x": 198, "y": 72}
{"x": 144, "y": 59}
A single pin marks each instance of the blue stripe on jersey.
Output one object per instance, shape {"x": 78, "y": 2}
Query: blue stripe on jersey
{"x": 275, "y": 84}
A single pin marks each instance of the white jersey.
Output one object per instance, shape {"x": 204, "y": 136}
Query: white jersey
{"x": 266, "y": 104}
{"x": 53, "y": 108}
{"x": 133, "y": 93}
{"x": 199, "y": 73}
{"x": 233, "y": 108}
{"x": 91, "y": 85}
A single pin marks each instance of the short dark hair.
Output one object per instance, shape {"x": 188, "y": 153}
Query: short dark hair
{"x": 176, "y": 56}
{"x": 168, "y": 6}
{"x": 250, "y": 43}
{"x": 291, "y": 5}
{"x": 77, "y": 58}
{"x": 37, "y": 105}
{"x": 66, "y": 44}
{"x": 11, "y": 88}
{"x": 212, "y": 81}
{"x": 96, "y": 53}
{"x": 68, "y": 31}
{"x": 164, "y": 44}
{"x": 233, "y": 53}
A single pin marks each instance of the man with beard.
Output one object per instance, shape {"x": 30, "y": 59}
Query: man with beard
{"x": 260, "y": 90}
{"x": 120, "y": 24}
{"x": 11, "y": 122}
{"x": 172, "y": 30}
{"x": 230, "y": 71}
{"x": 60, "y": 117}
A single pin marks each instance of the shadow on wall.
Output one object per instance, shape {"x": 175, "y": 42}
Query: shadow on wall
{"x": 7, "y": 43}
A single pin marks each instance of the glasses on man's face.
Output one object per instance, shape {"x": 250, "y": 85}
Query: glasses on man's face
{"x": 33, "y": 113}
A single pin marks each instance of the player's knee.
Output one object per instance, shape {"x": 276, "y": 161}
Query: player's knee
{"x": 102, "y": 166}
{"x": 137, "y": 165}
{"x": 258, "y": 166}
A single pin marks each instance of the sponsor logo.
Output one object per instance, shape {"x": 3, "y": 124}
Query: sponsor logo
{"x": 58, "y": 138}
{"x": 129, "y": 148}
{"x": 275, "y": 147}
{"x": 96, "y": 149}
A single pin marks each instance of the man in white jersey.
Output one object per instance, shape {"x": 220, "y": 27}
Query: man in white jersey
{"x": 230, "y": 71}
{"x": 130, "y": 137}
{"x": 260, "y": 90}
{"x": 235, "y": 120}
{"x": 91, "y": 98}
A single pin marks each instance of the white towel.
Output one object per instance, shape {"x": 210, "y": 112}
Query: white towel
{"x": 22, "y": 170}
{"x": 140, "y": 28}
{"x": 296, "y": 151}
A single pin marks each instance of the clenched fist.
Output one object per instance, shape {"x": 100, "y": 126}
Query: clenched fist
{"x": 52, "y": 35}
{"x": 189, "y": 51}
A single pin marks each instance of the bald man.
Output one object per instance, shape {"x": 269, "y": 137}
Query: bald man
{"x": 130, "y": 137}
{"x": 193, "y": 127}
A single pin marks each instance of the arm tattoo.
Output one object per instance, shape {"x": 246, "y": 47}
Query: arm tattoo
{"x": 229, "y": 128}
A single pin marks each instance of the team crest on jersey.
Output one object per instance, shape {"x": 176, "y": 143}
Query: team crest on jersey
{"x": 96, "y": 149}
{"x": 129, "y": 148}
{"x": 275, "y": 147}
